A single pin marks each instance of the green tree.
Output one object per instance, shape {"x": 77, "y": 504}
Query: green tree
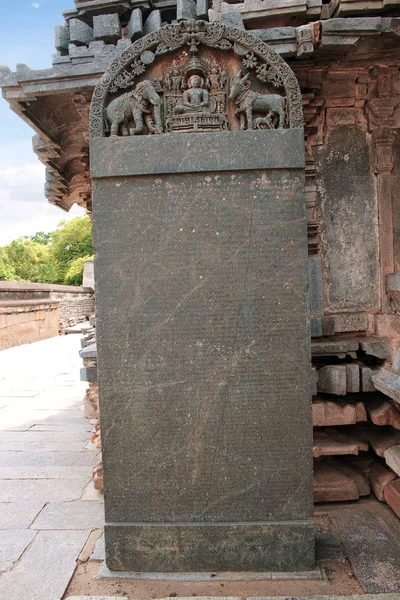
{"x": 41, "y": 237}
{"x": 71, "y": 240}
{"x": 7, "y": 271}
{"x": 31, "y": 261}
{"x": 74, "y": 275}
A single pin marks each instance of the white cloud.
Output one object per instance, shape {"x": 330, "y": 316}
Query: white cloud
{"x": 24, "y": 210}
{"x": 35, "y": 4}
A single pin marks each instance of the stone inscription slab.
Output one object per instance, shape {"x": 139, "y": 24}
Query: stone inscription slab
{"x": 203, "y": 347}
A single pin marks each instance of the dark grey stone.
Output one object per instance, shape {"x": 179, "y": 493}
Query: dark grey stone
{"x": 89, "y": 352}
{"x": 283, "y": 546}
{"x": 107, "y": 28}
{"x": 152, "y": 22}
{"x": 185, "y": 10}
{"x": 61, "y": 38}
{"x": 316, "y": 290}
{"x": 203, "y": 351}
{"x": 202, "y": 9}
{"x": 80, "y": 32}
{"x": 134, "y": 29}
{"x": 88, "y": 374}
{"x": 232, "y": 19}
{"x": 372, "y": 552}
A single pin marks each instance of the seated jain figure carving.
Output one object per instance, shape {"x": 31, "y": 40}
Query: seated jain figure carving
{"x": 195, "y": 99}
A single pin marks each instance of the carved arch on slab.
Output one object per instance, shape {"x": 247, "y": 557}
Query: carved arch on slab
{"x": 270, "y": 66}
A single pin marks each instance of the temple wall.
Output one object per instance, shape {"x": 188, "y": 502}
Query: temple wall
{"x": 34, "y": 311}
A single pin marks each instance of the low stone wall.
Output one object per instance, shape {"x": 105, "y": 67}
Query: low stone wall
{"x": 33, "y": 311}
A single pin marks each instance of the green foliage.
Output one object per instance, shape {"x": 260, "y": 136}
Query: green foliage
{"x": 55, "y": 257}
{"x": 41, "y": 237}
{"x": 74, "y": 275}
{"x": 71, "y": 240}
{"x": 7, "y": 272}
{"x": 31, "y": 261}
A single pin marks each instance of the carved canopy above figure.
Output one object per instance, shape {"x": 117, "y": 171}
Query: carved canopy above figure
{"x": 145, "y": 91}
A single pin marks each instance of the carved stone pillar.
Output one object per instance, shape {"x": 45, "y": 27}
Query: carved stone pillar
{"x": 383, "y": 152}
{"x": 381, "y": 119}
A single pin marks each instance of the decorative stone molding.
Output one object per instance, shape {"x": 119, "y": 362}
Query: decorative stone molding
{"x": 190, "y": 35}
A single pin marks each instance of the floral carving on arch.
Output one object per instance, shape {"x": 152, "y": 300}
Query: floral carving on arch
{"x": 257, "y": 57}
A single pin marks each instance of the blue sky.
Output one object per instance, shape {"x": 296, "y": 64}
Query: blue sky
{"x": 26, "y": 36}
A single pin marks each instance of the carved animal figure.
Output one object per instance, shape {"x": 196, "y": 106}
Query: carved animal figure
{"x": 135, "y": 106}
{"x": 249, "y": 102}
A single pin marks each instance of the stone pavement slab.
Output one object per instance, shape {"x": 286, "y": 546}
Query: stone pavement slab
{"x": 374, "y": 555}
{"x": 45, "y": 568}
{"x": 42, "y": 490}
{"x": 45, "y": 459}
{"x": 19, "y": 515}
{"x": 70, "y": 515}
{"x": 12, "y": 545}
{"x": 51, "y": 472}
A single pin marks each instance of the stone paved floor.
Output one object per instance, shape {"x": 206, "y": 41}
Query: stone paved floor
{"x": 49, "y": 511}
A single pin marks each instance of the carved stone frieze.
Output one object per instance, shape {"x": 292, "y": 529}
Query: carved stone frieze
{"x": 193, "y": 91}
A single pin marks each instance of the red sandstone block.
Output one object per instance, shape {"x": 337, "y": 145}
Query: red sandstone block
{"x": 379, "y": 478}
{"x": 331, "y": 442}
{"x": 326, "y": 413}
{"x": 332, "y": 485}
{"x": 392, "y": 496}
{"x": 384, "y": 413}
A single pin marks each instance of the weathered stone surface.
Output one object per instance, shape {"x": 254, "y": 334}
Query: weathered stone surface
{"x": 331, "y": 442}
{"x": 379, "y": 438}
{"x": 352, "y": 378}
{"x": 88, "y": 374}
{"x": 327, "y": 413}
{"x": 185, "y": 10}
{"x": 369, "y": 547}
{"x": 27, "y": 579}
{"x": 346, "y": 322}
{"x": 70, "y": 515}
{"x": 107, "y": 28}
{"x": 42, "y": 490}
{"x": 61, "y": 38}
{"x": 345, "y": 179}
{"x": 382, "y": 412}
{"x": 332, "y": 346}
{"x": 134, "y": 29}
{"x": 316, "y": 291}
{"x": 12, "y": 545}
{"x": 387, "y": 381}
{"x": 19, "y": 516}
{"x": 232, "y": 19}
{"x": 392, "y": 496}
{"x": 152, "y": 22}
{"x": 332, "y": 485}
{"x": 332, "y": 379}
{"x": 379, "y": 477}
{"x": 207, "y": 371}
{"x": 80, "y": 32}
{"x": 392, "y": 458}
{"x": 379, "y": 347}
{"x": 202, "y": 9}
{"x": 366, "y": 378}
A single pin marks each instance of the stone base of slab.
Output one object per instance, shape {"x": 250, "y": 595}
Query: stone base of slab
{"x": 175, "y": 548}
{"x": 197, "y": 577}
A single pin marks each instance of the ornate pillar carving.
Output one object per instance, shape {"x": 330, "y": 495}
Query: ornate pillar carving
{"x": 381, "y": 111}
